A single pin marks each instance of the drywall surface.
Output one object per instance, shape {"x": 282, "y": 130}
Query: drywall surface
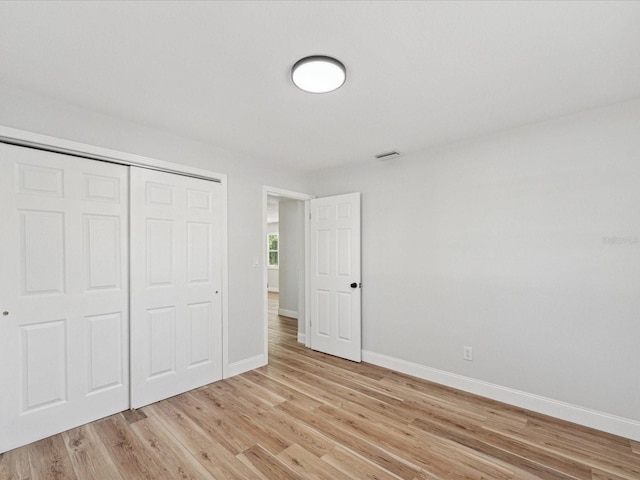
{"x": 246, "y": 176}
{"x": 524, "y": 245}
{"x": 291, "y": 225}
{"x": 273, "y": 273}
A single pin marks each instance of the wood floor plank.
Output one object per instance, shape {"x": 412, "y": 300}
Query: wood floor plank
{"x": 355, "y": 466}
{"x": 246, "y": 420}
{"x": 275, "y": 420}
{"x": 601, "y": 475}
{"x": 268, "y": 378}
{"x": 520, "y": 454}
{"x": 213, "y": 456}
{"x": 255, "y": 391}
{"x": 127, "y": 451}
{"x": 349, "y": 381}
{"x": 308, "y": 415}
{"x": 50, "y": 460}
{"x": 88, "y": 454}
{"x": 133, "y": 416}
{"x": 613, "y": 455}
{"x": 291, "y": 378}
{"x": 15, "y": 465}
{"x": 224, "y": 431}
{"x": 432, "y": 454}
{"x": 309, "y": 361}
{"x": 268, "y": 465}
{"x": 365, "y": 448}
{"x": 188, "y": 432}
{"x": 176, "y": 459}
{"x": 308, "y": 465}
{"x": 326, "y": 390}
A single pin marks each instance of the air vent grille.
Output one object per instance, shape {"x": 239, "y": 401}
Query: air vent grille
{"x": 387, "y": 155}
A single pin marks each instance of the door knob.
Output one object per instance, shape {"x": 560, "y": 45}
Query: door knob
{"x": 354, "y": 285}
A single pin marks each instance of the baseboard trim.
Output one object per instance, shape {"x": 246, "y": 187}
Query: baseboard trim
{"x": 605, "y": 422}
{"x": 302, "y": 338}
{"x": 274, "y": 289}
{"x": 241, "y": 366}
{"x": 288, "y": 313}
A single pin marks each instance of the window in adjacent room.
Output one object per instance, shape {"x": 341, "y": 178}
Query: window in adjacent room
{"x": 273, "y": 249}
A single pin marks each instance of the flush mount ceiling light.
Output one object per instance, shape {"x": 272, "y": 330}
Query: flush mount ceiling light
{"x": 318, "y": 74}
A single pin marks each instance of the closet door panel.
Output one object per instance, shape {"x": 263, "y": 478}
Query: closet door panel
{"x": 42, "y": 265}
{"x": 176, "y": 326}
{"x": 64, "y": 288}
{"x": 102, "y": 252}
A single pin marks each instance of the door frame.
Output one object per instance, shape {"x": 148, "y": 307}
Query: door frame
{"x": 291, "y": 195}
{"x": 38, "y": 141}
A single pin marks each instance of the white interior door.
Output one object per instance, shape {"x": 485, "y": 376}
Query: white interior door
{"x": 63, "y": 293}
{"x": 176, "y": 311}
{"x": 335, "y": 276}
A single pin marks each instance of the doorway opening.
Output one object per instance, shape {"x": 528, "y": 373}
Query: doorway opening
{"x": 285, "y": 245}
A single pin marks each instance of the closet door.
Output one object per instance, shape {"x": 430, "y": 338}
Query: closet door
{"x": 63, "y": 293}
{"x": 176, "y": 326}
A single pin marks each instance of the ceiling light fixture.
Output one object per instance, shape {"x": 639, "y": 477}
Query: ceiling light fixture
{"x": 318, "y": 74}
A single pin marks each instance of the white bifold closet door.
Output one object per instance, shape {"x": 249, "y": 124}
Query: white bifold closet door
{"x": 63, "y": 293}
{"x": 176, "y": 342}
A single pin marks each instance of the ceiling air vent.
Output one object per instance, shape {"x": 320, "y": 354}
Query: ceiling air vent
{"x": 383, "y": 157}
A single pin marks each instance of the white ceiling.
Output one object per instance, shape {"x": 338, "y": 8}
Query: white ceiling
{"x": 419, "y": 73}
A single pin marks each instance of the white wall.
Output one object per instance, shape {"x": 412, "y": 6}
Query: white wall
{"x": 291, "y": 225}
{"x": 246, "y": 176}
{"x": 523, "y": 245}
{"x": 273, "y": 273}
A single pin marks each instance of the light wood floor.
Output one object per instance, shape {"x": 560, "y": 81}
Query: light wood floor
{"x": 311, "y": 416}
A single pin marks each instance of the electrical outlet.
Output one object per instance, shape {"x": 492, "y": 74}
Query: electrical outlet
{"x": 467, "y": 353}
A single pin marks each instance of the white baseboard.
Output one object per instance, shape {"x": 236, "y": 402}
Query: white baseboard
{"x": 302, "y": 338}
{"x": 287, "y": 313}
{"x": 251, "y": 363}
{"x": 605, "y": 422}
{"x": 273, "y": 289}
